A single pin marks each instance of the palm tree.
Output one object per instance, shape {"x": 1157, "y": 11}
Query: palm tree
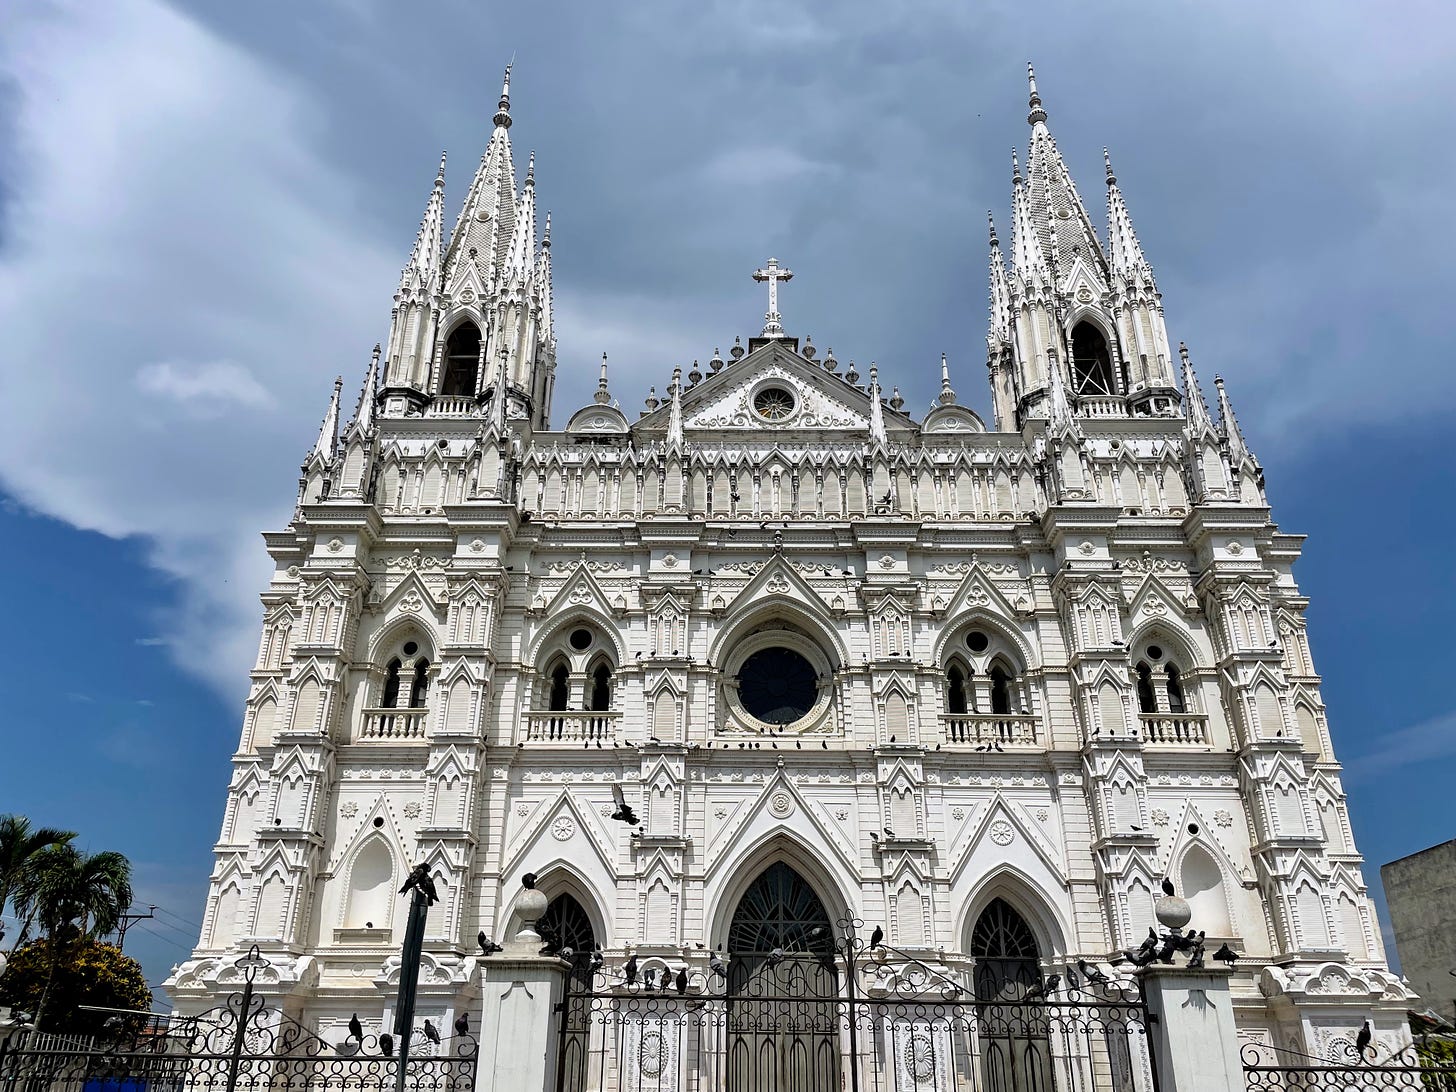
{"x": 71, "y": 895}
{"x": 20, "y": 844}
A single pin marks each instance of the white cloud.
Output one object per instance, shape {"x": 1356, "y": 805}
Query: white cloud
{"x": 208, "y": 389}
{"x": 179, "y": 280}
{"x": 1431, "y": 740}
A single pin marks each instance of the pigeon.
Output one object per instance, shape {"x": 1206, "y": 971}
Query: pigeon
{"x": 386, "y": 1044}
{"x": 629, "y": 969}
{"x": 649, "y": 978}
{"x": 1225, "y": 954}
{"x": 432, "y": 1033}
{"x": 682, "y": 981}
{"x": 528, "y": 881}
{"x": 877, "y": 937}
{"x": 1073, "y": 982}
{"x": 775, "y": 957}
{"x": 1043, "y": 989}
{"x": 1362, "y": 1040}
{"x": 623, "y": 812}
{"x": 1091, "y": 973}
{"x": 597, "y": 959}
{"x": 419, "y": 880}
{"x": 716, "y": 965}
{"x": 1167, "y": 886}
{"x": 462, "y": 1023}
{"x": 889, "y": 833}
{"x": 356, "y": 1029}
{"x": 487, "y": 946}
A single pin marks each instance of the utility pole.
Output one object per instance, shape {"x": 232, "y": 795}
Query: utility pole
{"x": 125, "y": 922}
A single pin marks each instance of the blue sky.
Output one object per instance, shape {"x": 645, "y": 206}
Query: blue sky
{"x": 204, "y": 208}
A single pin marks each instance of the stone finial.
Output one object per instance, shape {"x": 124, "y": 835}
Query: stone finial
{"x": 1172, "y": 912}
{"x": 531, "y": 907}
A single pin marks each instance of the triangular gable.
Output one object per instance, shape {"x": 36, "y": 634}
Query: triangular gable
{"x": 581, "y": 592}
{"x": 977, "y": 592}
{"x": 1154, "y": 600}
{"x": 408, "y": 589}
{"x": 722, "y": 400}
{"x": 761, "y": 819}
{"x": 1004, "y": 831}
{"x": 1205, "y": 839}
{"x": 462, "y": 668}
{"x": 529, "y": 835}
{"x": 777, "y": 581}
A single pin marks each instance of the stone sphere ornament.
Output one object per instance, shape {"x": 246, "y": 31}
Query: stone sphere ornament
{"x": 1172, "y": 912}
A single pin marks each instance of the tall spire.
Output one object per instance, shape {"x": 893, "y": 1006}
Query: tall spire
{"x": 498, "y": 396}
{"x": 602, "y": 397}
{"x": 1124, "y": 251}
{"x": 1059, "y": 408}
{"x": 523, "y": 241}
{"x": 999, "y": 332}
{"x": 502, "y": 117}
{"x": 323, "y": 449}
{"x": 1237, "y": 449}
{"x": 485, "y": 228}
{"x": 877, "y": 411}
{"x": 1198, "y": 418}
{"x": 543, "y": 280}
{"x": 947, "y": 395}
{"x": 1063, "y": 228}
{"x": 364, "y": 415}
{"x": 423, "y": 268}
{"x": 674, "y": 412}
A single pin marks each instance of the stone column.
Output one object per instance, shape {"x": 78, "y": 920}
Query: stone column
{"x": 1195, "y": 1043}
{"x": 519, "y": 1021}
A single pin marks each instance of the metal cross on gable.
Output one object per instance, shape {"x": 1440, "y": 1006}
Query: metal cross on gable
{"x": 772, "y": 326}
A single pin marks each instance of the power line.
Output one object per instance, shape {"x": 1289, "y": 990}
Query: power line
{"x": 167, "y": 940}
{"x": 185, "y": 921}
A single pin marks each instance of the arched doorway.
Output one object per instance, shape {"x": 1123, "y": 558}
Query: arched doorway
{"x": 782, "y": 988}
{"x": 1014, "y": 1034}
{"x": 566, "y": 924}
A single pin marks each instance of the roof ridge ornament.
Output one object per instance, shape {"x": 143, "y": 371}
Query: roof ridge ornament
{"x": 771, "y": 272}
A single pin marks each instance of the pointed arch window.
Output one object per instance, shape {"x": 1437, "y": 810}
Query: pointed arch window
{"x": 462, "y": 361}
{"x": 1000, "y": 690}
{"x": 1147, "y": 700}
{"x": 1091, "y": 361}
{"x": 955, "y": 690}
{"x": 566, "y": 923}
{"x": 601, "y": 688}
{"x": 1174, "y": 686}
{"x": 1015, "y": 1048}
{"x": 560, "y": 687}
{"x": 389, "y": 697}
{"x": 419, "y": 684}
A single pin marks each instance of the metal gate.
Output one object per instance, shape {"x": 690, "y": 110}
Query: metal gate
{"x": 241, "y": 1044}
{"x": 895, "y": 1025}
{"x": 1414, "y": 1069}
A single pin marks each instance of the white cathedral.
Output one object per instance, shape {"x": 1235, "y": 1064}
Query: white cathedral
{"x": 984, "y": 686}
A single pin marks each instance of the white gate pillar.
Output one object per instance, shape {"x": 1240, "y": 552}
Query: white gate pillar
{"x": 1195, "y": 1043}
{"x": 519, "y": 1022}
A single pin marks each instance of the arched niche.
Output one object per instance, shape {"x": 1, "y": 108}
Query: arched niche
{"x": 1203, "y": 886}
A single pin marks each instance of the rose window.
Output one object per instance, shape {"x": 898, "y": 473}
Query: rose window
{"x": 774, "y": 404}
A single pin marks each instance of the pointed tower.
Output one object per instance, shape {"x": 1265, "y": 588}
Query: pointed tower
{"x": 1245, "y": 474}
{"x": 1139, "y": 309}
{"x": 413, "y": 320}
{"x": 1000, "y": 350}
{"x": 1061, "y": 307}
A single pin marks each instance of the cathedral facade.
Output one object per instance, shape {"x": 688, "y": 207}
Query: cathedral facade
{"x": 833, "y": 658}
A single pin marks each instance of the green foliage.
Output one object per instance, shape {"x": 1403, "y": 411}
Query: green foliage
{"x": 20, "y": 846}
{"x": 87, "y": 972}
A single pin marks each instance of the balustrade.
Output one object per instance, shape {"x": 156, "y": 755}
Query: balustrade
{"x": 392, "y": 725}
{"x": 1182, "y": 729}
{"x": 989, "y": 729}
{"x": 569, "y": 726}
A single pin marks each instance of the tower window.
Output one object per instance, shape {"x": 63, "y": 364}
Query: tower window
{"x": 390, "y": 697}
{"x": 1147, "y": 700}
{"x": 462, "y": 361}
{"x": 955, "y": 690}
{"x": 1176, "y": 704}
{"x": 1091, "y": 361}
{"x": 420, "y": 683}
{"x": 601, "y": 693}
{"x": 560, "y": 675}
{"x": 1000, "y": 691}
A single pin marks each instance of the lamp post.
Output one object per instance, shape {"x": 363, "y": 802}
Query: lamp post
{"x": 250, "y": 964}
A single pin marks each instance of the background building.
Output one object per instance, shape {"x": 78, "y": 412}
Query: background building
{"x": 1420, "y": 891}
{"x": 984, "y": 686}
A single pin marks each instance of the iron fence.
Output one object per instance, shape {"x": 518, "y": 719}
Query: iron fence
{"x": 1269, "y": 1070}
{"x": 241, "y": 1044}
{"x": 815, "y": 1024}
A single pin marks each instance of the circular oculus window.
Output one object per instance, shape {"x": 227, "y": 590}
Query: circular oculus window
{"x": 977, "y": 641}
{"x": 581, "y": 639}
{"x": 774, "y": 404}
{"x": 777, "y": 686}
